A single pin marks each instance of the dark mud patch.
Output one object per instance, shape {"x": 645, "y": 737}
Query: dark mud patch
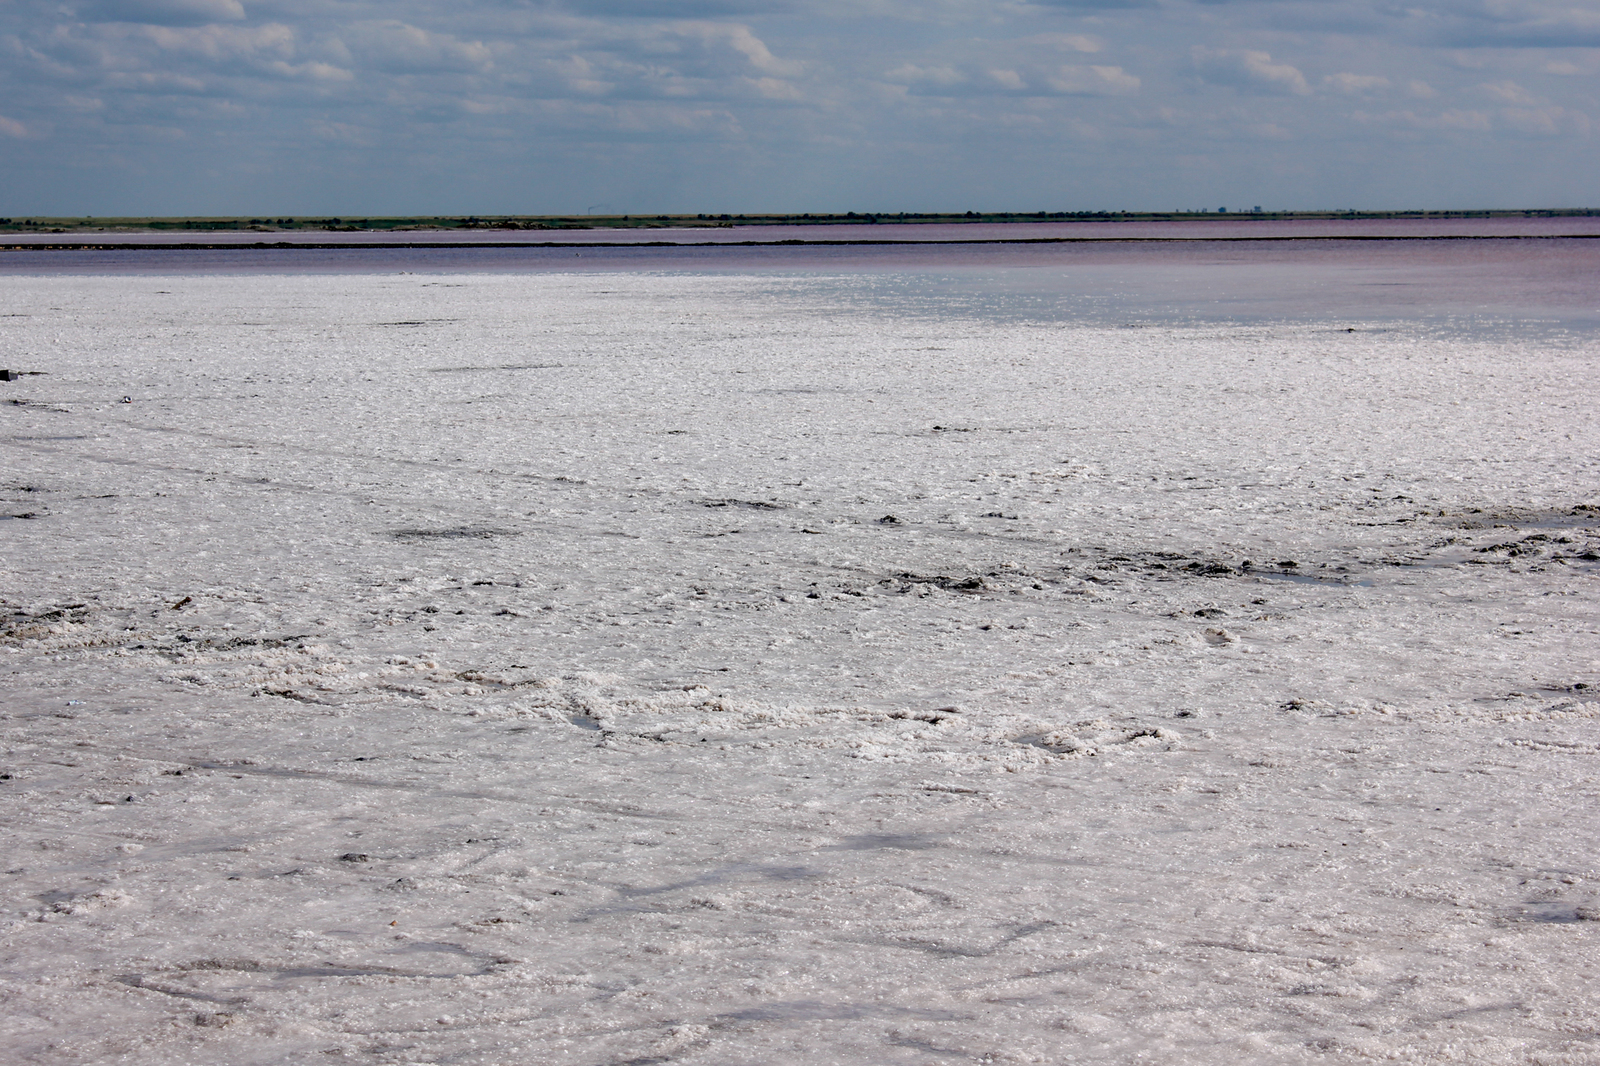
{"x": 1575, "y": 517}
{"x": 451, "y": 533}
{"x": 748, "y": 505}
{"x": 969, "y": 583}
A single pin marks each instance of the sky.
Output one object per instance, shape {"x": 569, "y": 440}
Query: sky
{"x": 350, "y": 107}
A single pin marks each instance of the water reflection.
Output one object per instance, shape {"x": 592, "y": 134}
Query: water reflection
{"x": 1544, "y": 284}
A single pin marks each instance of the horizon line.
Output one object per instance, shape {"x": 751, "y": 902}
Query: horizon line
{"x": 457, "y": 220}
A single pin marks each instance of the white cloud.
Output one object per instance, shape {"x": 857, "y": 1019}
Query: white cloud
{"x": 1545, "y": 121}
{"x": 740, "y": 39}
{"x": 1355, "y": 84}
{"x": 777, "y": 89}
{"x": 1479, "y": 121}
{"x": 400, "y": 48}
{"x": 273, "y": 40}
{"x": 1094, "y": 81}
{"x": 1073, "y": 42}
{"x": 346, "y": 134}
{"x": 910, "y": 73}
{"x": 1068, "y": 80}
{"x": 678, "y": 60}
{"x": 1509, "y": 92}
{"x": 12, "y": 128}
{"x": 580, "y": 76}
{"x": 1268, "y": 131}
{"x": 1248, "y": 70}
{"x": 157, "y": 81}
{"x": 1463, "y": 120}
{"x": 313, "y": 71}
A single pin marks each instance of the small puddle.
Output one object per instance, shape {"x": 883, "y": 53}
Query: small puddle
{"x": 1554, "y": 913}
{"x": 893, "y": 841}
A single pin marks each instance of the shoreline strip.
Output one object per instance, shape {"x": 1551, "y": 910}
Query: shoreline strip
{"x": 272, "y": 246}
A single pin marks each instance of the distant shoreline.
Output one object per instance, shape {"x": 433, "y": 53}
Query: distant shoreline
{"x": 266, "y": 246}
{"x": 555, "y": 223}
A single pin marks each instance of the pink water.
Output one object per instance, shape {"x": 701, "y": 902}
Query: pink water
{"x": 1540, "y": 273}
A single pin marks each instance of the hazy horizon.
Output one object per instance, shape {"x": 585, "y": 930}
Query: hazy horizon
{"x": 843, "y": 216}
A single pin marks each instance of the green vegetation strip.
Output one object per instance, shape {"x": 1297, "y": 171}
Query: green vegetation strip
{"x": 569, "y": 222}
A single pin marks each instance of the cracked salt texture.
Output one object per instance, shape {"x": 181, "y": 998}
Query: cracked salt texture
{"x": 723, "y": 667}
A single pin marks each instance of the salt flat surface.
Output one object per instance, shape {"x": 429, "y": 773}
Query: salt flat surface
{"x": 697, "y": 668}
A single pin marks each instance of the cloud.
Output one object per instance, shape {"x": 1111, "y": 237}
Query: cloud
{"x": 1462, "y": 120}
{"x": 1520, "y": 24}
{"x": 1355, "y": 84}
{"x": 911, "y": 74}
{"x": 1096, "y": 5}
{"x": 216, "y": 43}
{"x": 674, "y": 9}
{"x": 345, "y": 134}
{"x": 1068, "y": 80}
{"x": 1075, "y": 42}
{"x": 162, "y": 12}
{"x": 1545, "y": 121}
{"x": 312, "y": 71}
{"x": 738, "y": 38}
{"x": 777, "y": 89}
{"x": 400, "y": 48}
{"x": 1444, "y": 120}
{"x": 807, "y": 95}
{"x": 121, "y": 60}
{"x": 690, "y": 59}
{"x": 1509, "y": 92}
{"x": 1254, "y": 71}
{"x": 1093, "y": 81}
{"x": 165, "y": 82}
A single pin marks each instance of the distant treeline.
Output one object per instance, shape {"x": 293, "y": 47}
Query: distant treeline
{"x": 568, "y": 222}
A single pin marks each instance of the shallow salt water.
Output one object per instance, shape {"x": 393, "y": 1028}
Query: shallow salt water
{"x": 891, "y": 664}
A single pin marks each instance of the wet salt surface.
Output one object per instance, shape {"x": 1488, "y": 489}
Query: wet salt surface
{"x": 634, "y": 666}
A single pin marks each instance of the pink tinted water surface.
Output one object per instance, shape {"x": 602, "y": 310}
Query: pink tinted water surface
{"x": 1538, "y": 273}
